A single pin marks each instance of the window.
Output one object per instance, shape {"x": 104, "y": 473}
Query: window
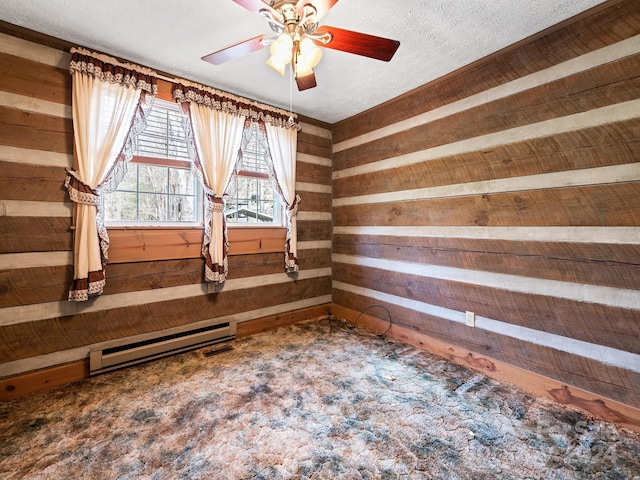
{"x": 159, "y": 188}
{"x": 253, "y": 199}
{"x": 162, "y": 201}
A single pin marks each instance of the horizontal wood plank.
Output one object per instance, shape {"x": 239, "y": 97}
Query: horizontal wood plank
{"x": 310, "y": 230}
{"x": 32, "y": 130}
{"x": 23, "y": 385}
{"x": 314, "y": 202}
{"x": 602, "y": 205}
{"x": 265, "y": 324}
{"x": 149, "y": 244}
{"x": 612, "y": 265}
{"x": 28, "y": 286}
{"x": 152, "y": 275}
{"x": 243, "y": 240}
{"x": 313, "y": 173}
{"x": 32, "y": 182}
{"x": 35, "y": 234}
{"x": 313, "y": 149}
{"x": 308, "y": 138}
{"x": 33, "y": 79}
{"x": 314, "y": 258}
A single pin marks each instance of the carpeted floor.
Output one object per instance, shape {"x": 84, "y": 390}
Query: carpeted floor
{"x": 311, "y": 401}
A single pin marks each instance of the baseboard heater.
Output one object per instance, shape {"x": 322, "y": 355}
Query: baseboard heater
{"x": 126, "y": 354}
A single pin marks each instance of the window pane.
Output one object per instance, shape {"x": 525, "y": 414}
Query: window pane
{"x": 152, "y": 207}
{"x": 164, "y": 136}
{"x": 130, "y": 180}
{"x": 152, "y": 193}
{"x": 181, "y": 208}
{"x": 153, "y": 178}
{"x": 120, "y": 205}
{"x": 253, "y": 202}
{"x": 181, "y": 181}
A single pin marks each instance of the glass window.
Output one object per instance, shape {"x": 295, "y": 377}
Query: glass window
{"x": 159, "y": 188}
{"x": 253, "y": 199}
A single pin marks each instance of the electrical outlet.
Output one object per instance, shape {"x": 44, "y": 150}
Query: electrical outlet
{"x": 471, "y": 319}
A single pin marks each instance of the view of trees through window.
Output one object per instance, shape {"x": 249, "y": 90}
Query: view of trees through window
{"x": 153, "y": 193}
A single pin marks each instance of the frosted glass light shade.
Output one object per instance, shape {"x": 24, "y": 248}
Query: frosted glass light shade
{"x": 302, "y": 69}
{"x": 310, "y": 52}
{"x": 277, "y": 66}
{"x": 281, "y": 49}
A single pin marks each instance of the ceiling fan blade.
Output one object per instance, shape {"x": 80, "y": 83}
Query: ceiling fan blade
{"x": 321, "y": 6}
{"x": 253, "y": 5}
{"x": 235, "y": 51}
{"x": 306, "y": 82}
{"x": 359, "y": 43}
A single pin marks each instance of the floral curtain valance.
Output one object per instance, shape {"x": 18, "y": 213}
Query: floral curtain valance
{"x": 228, "y": 103}
{"x": 108, "y": 69}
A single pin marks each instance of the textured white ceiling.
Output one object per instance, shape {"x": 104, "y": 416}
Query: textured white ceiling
{"x": 436, "y": 37}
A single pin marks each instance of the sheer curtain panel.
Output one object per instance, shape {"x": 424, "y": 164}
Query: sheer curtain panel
{"x": 109, "y": 103}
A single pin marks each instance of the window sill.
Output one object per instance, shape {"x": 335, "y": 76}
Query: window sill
{"x": 137, "y": 244}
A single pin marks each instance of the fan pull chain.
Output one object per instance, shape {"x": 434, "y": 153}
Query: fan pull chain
{"x": 291, "y": 93}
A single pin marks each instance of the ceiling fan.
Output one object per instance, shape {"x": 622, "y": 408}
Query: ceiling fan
{"x": 298, "y": 37}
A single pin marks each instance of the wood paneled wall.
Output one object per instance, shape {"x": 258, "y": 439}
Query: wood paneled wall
{"x": 39, "y": 328}
{"x": 511, "y": 189}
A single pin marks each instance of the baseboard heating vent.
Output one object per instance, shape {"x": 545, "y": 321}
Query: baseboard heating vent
{"x": 127, "y": 354}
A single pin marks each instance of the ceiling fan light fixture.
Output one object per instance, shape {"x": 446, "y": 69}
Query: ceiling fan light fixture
{"x": 302, "y": 69}
{"x": 281, "y": 49}
{"x": 298, "y": 37}
{"x": 277, "y": 66}
{"x": 310, "y": 52}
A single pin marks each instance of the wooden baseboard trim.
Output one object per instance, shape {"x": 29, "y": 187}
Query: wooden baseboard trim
{"x": 264, "y": 324}
{"x": 597, "y": 405}
{"x": 34, "y": 382}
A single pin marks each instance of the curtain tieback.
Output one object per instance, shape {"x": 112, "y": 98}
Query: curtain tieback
{"x": 214, "y": 204}
{"x": 80, "y": 192}
{"x": 292, "y": 211}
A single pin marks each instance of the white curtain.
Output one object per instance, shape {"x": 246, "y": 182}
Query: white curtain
{"x": 105, "y": 101}
{"x": 282, "y": 146}
{"x": 217, "y": 135}
{"x": 215, "y": 129}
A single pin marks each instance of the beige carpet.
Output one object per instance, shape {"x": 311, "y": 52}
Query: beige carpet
{"x": 312, "y": 401}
